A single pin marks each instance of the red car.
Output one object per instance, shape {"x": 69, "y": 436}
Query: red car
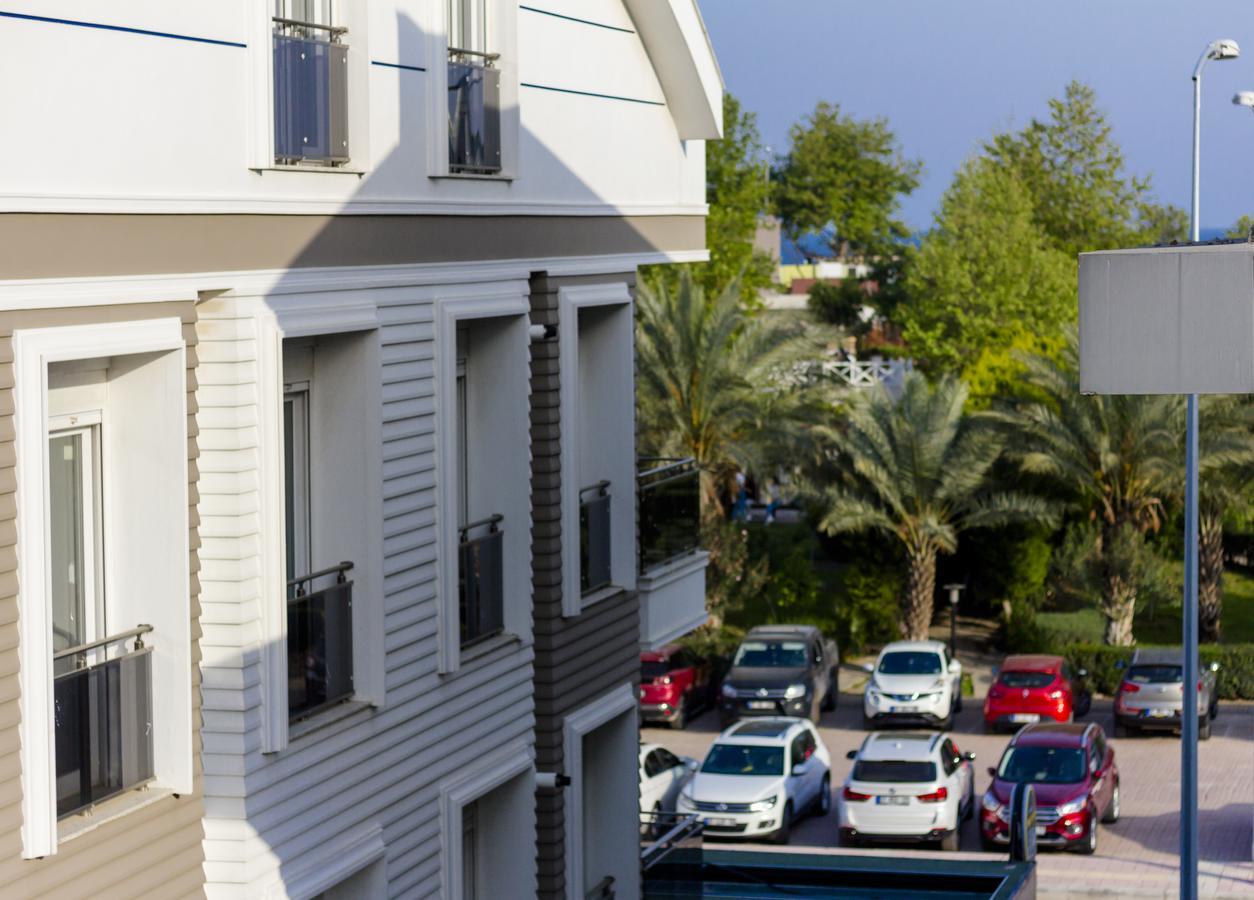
{"x": 674, "y": 685}
{"x": 1073, "y": 771}
{"x": 1034, "y": 689}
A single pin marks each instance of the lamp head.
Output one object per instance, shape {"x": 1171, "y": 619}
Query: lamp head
{"x": 1243, "y": 98}
{"x": 1226, "y": 48}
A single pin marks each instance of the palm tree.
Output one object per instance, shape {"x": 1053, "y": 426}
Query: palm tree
{"x": 1227, "y": 474}
{"x": 709, "y": 387}
{"x": 1118, "y": 457}
{"x": 918, "y": 469}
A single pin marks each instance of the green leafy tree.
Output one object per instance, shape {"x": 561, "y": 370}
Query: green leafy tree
{"x": 918, "y": 469}
{"x": 838, "y": 304}
{"x": 848, "y": 173}
{"x": 737, "y": 189}
{"x": 1117, "y": 460}
{"x": 1242, "y": 228}
{"x": 1225, "y": 479}
{"x": 985, "y": 274}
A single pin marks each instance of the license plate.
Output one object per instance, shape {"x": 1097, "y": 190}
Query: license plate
{"x": 720, "y": 823}
{"x": 1160, "y": 713}
{"x": 1040, "y": 830}
{"x": 1025, "y": 717}
{"x": 892, "y": 801}
{"x": 761, "y": 704}
{"x": 905, "y": 709}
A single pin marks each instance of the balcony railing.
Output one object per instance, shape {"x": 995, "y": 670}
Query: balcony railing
{"x": 310, "y": 93}
{"x": 319, "y": 642}
{"x": 670, "y": 510}
{"x": 102, "y": 711}
{"x": 594, "y": 537}
{"x": 481, "y": 586}
{"x": 474, "y": 112}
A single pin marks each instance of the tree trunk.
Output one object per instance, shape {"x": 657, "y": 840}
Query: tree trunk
{"x": 920, "y": 591}
{"x": 1210, "y": 570}
{"x": 1119, "y": 606}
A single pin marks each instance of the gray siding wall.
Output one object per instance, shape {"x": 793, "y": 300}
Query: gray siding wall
{"x": 578, "y": 658}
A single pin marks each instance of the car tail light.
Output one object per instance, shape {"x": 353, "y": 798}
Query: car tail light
{"x": 1129, "y": 688}
{"x": 1055, "y": 695}
{"x": 853, "y": 795}
{"x": 665, "y": 679}
{"x": 1199, "y": 687}
{"x": 935, "y": 797}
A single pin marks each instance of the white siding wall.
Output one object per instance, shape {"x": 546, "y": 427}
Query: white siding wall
{"x": 375, "y": 767}
{"x": 120, "y": 121}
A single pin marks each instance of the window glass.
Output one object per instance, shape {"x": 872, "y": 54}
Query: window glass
{"x": 467, "y": 25}
{"x": 1156, "y": 674}
{"x": 910, "y": 662}
{"x": 1026, "y": 679}
{"x": 651, "y": 669}
{"x": 67, "y": 551}
{"x": 315, "y": 12}
{"x": 652, "y": 764}
{"x": 744, "y": 759}
{"x": 893, "y": 771}
{"x": 666, "y": 760}
{"x": 296, "y": 481}
{"x": 771, "y": 655}
{"x": 1043, "y": 765}
{"x": 947, "y": 757}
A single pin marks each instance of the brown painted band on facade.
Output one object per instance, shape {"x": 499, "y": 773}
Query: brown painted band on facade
{"x": 65, "y": 245}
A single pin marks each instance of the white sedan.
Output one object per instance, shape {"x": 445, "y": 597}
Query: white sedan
{"x": 907, "y": 787}
{"x": 662, "y": 777}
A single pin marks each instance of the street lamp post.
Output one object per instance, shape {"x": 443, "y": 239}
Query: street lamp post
{"x": 1221, "y": 49}
{"x": 954, "y": 590}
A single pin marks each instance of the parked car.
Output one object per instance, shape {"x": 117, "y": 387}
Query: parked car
{"x": 1034, "y": 688}
{"x": 780, "y": 670}
{"x": 759, "y": 777}
{"x": 1151, "y": 694}
{"x": 662, "y": 776}
{"x": 1072, "y": 768}
{"x": 907, "y": 787}
{"x": 675, "y": 685}
{"x": 913, "y": 681}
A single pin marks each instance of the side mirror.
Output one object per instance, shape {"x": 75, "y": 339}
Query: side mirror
{"x": 801, "y": 768}
{"x": 869, "y": 668}
{"x": 1082, "y": 673}
{"x": 954, "y": 667}
{"x": 690, "y": 763}
{"x": 852, "y": 754}
{"x": 992, "y": 770}
{"x": 969, "y": 756}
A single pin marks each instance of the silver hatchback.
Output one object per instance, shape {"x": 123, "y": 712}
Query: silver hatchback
{"x": 1151, "y": 695}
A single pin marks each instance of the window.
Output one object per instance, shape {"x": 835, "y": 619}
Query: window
{"x": 911, "y": 662}
{"x": 949, "y": 757}
{"x": 474, "y": 92}
{"x": 310, "y": 84}
{"x": 893, "y": 771}
{"x": 74, "y": 553}
{"x": 802, "y": 747}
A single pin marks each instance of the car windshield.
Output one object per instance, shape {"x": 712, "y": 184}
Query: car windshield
{"x": 893, "y": 771}
{"x": 744, "y": 759}
{"x": 1042, "y": 765}
{"x": 650, "y": 669}
{"x": 771, "y": 655}
{"x": 1156, "y": 674}
{"x": 1026, "y": 679}
{"x": 910, "y": 662}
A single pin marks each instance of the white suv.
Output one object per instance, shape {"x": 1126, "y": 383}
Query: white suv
{"x": 907, "y": 786}
{"x": 913, "y": 681}
{"x": 758, "y": 778}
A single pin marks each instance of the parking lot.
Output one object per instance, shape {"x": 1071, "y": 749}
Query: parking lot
{"x": 1138, "y": 856}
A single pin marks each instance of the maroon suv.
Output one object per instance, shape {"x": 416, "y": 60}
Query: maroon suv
{"x": 1073, "y": 770}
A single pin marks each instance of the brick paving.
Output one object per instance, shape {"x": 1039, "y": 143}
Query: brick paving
{"x": 1137, "y": 856}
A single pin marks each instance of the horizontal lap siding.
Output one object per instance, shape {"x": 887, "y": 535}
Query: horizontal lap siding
{"x": 155, "y": 851}
{"x": 583, "y": 657}
{"x": 385, "y": 766}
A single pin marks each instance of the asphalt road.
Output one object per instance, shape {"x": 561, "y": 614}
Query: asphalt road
{"x": 1138, "y": 856}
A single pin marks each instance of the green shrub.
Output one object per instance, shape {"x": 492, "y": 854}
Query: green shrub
{"x": 1234, "y": 681}
{"x": 868, "y": 612}
{"x": 838, "y": 304}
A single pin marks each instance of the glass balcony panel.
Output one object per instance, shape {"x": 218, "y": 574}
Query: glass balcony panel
{"x": 474, "y": 117}
{"x": 102, "y": 730}
{"x": 319, "y": 648}
{"x": 481, "y": 585}
{"x": 594, "y": 538}
{"x": 670, "y": 512}
{"x": 310, "y": 99}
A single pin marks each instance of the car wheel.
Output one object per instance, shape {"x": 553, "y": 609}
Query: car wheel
{"x": 951, "y": 841}
{"x": 989, "y": 846}
{"x": 1214, "y": 709}
{"x": 1089, "y": 846}
{"x": 868, "y": 724}
{"x": 1112, "y": 811}
{"x": 681, "y": 714}
{"x": 947, "y": 723}
{"x": 785, "y": 826}
{"x": 849, "y": 840}
{"x": 823, "y": 802}
{"x": 1203, "y": 729}
{"x": 989, "y": 727}
{"x": 970, "y": 813}
{"x": 958, "y": 700}
{"x": 829, "y": 702}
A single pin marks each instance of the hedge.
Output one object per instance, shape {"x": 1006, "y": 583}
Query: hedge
{"x": 1235, "y": 679}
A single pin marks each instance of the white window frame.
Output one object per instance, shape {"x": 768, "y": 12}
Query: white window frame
{"x": 571, "y": 300}
{"x": 88, "y": 427}
{"x": 490, "y": 772}
{"x": 575, "y": 726}
{"x": 465, "y": 303}
{"x": 33, "y": 351}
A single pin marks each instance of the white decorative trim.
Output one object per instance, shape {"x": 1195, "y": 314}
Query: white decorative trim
{"x": 341, "y": 857}
{"x": 453, "y": 305}
{"x": 570, "y": 300}
{"x": 575, "y": 725}
{"x": 56, "y": 293}
{"x": 509, "y": 761}
{"x": 33, "y": 350}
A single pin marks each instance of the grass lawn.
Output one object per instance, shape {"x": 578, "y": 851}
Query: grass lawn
{"x": 1086, "y": 625}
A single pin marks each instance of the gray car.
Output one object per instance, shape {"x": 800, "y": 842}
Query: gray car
{"x": 1151, "y": 694}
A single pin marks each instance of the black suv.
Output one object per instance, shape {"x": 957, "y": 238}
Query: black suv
{"x": 780, "y": 670}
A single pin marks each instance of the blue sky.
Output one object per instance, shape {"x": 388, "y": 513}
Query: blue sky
{"x": 948, "y": 74}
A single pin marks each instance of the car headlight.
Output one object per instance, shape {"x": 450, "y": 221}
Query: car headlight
{"x": 729, "y": 692}
{"x": 991, "y": 803}
{"x": 1074, "y": 806}
{"x": 763, "y": 805}
{"x": 793, "y": 691}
